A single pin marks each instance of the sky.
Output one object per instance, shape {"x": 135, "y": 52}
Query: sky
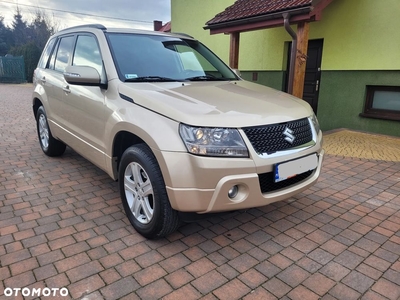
{"x": 138, "y": 14}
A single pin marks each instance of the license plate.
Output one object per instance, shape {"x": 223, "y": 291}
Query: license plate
{"x": 295, "y": 167}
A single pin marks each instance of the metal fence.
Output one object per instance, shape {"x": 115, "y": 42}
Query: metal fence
{"x": 12, "y": 69}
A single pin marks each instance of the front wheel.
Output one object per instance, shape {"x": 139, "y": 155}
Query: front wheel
{"x": 144, "y": 195}
{"x": 48, "y": 143}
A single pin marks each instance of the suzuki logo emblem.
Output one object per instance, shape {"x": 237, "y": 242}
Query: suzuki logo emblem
{"x": 289, "y": 135}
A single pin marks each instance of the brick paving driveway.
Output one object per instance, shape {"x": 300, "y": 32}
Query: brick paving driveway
{"x": 62, "y": 226}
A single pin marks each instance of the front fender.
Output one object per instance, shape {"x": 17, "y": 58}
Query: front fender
{"x": 158, "y": 132}
{"x": 155, "y": 130}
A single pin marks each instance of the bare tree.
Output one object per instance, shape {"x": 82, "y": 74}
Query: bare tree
{"x": 41, "y": 29}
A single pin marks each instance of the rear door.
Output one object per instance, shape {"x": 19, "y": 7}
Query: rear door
{"x": 53, "y": 80}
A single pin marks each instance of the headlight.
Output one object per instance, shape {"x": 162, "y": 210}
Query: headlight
{"x": 315, "y": 123}
{"x": 213, "y": 141}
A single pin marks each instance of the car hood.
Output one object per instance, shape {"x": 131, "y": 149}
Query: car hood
{"x": 216, "y": 103}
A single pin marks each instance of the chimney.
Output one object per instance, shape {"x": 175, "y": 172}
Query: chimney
{"x": 157, "y": 25}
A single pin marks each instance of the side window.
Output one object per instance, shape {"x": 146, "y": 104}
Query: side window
{"x": 53, "y": 56}
{"x": 87, "y": 53}
{"x": 63, "y": 53}
{"x": 46, "y": 54}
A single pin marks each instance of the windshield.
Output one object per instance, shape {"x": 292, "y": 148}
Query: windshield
{"x": 144, "y": 58}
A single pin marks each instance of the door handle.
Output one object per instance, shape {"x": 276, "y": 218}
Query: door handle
{"x": 66, "y": 89}
{"x": 317, "y": 86}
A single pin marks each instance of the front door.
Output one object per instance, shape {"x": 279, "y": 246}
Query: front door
{"x": 312, "y": 80}
{"x": 85, "y": 109}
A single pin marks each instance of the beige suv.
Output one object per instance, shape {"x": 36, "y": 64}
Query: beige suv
{"x": 178, "y": 129}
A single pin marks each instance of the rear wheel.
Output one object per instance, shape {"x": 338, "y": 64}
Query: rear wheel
{"x": 48, "y": 143}
{"x": 144, "y": 195}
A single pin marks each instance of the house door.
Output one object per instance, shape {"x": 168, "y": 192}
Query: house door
{"x": 312, "y": 80}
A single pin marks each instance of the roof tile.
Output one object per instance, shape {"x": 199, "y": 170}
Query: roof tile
{"x": 166, "y": 27}
{"x": 251, "y": 8}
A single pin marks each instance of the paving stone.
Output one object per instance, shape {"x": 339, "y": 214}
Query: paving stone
{"x": 280, "y": 261}
{"x": 179, "y": 278}
{"x": 209, "y": 282}
{"x": 387, "y": 289}
{"x": 252, "y": 278}
{"x": 200, "y": 267}
{"x": 293, "y": 275}
{"x": 233, "y": 289}
{"x": 300, "y": 292}
{"x": 348, "y": 259}
{"x": 341, "y": 291}
{"x": 321, "y": 256}
{"x": 309, "y": 265}
{"x": 358, "y": 281}
{"x": 319, "y": 284}
{"x": 62, "y": 225}
{"x": 259, "y": 293}
{"x": 277, "y": 287}
{"x": 187, "y": 292}
{"x": 86, "y": 287}
{"x": 335, "y": 271}
{"x": 120, "y": 288}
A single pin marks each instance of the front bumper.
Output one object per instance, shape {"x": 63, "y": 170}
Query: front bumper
{"x": 201, "y": 184}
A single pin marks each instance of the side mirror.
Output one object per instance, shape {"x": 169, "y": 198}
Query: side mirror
{"x": 82, "y": 75}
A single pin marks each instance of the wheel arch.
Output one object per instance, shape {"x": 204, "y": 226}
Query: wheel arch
{"x": 126, "y": 134}
{"x": 124, "y": 139}
{"x": 35, "y": 106}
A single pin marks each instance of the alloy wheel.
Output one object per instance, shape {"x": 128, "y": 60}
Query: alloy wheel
{"x": 43, "y": 132}
{"x": 139, "y": 192}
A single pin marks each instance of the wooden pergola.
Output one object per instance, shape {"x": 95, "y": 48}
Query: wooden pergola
{"x": 249, "y": 15}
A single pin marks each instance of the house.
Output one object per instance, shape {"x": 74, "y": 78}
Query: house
{"x": 158, "y": 26}
{"x": 341, "y": 56}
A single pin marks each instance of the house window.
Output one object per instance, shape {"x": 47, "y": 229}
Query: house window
{"x": 383, "y": 102}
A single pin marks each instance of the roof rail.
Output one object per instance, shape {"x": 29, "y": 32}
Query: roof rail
{"x": 98, "y": 26}
{"x": 183, "y": 34}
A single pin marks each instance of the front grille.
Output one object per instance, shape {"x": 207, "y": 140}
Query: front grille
{"x": 270, "y": 138}
{"x": 267, "y": 183}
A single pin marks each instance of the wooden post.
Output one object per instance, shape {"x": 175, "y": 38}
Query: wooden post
{"x": 303, "y": 29}
{"x": 234, "y": 50}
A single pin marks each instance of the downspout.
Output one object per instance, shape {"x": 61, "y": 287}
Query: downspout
{"x": 289, "y": 29}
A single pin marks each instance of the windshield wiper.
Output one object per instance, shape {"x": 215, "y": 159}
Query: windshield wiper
{"x": 149, "y": 79}
{"x": 206, "y": 78}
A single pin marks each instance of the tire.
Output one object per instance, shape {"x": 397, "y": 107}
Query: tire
{"x": 50, "y": 146}
{"x": 144, "y": 195}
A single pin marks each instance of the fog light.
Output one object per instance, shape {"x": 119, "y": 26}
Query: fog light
{"x": 233, "y": 191}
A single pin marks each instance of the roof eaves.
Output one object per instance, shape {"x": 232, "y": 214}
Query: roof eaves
{"x": 230, "y": 14}
{"x": 257, "y": 18}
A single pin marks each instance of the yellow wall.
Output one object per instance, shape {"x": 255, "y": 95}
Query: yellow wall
{"x": 358, "y": 35}
{"x": 190, "y": 16}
